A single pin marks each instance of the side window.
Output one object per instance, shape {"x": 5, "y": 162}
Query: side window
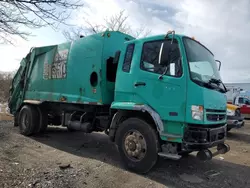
{"x": 241, "y": 101}
{"x": 162, "y": 57}
{"x": 246, "y": 101}
{"x": 128, "y": 58}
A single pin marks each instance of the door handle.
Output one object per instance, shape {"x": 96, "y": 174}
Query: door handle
{"x": 140, "y": 84}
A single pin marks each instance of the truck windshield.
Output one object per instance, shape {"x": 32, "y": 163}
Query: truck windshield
{"x": 202, "y": 65}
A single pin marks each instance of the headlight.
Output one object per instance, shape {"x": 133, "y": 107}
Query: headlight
{"x": 197, "y": 112}
{"x": 230, "y": 112}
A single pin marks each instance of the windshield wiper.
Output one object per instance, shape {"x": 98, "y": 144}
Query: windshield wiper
{"x": 204, "y": 84}
{"x": 209, "y": 85}
{"x": 215, "y": 81}
{"x": 218, "y": 82}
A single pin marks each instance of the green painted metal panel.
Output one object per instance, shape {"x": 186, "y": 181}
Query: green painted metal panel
{"x": 164, "y": 96}
{"x": 114, "y": 42}
{"x": 63, "y": 72}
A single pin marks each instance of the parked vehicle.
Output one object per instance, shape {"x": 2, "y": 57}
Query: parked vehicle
{"x": 239, "y": 97}
{"x": 234, "y": 118}
{"x": 244, "y": 103}
{"x": 232, "y": 92}
{"x": 155, "y": 96}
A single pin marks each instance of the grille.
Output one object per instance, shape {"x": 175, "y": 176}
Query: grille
{"x": 216, "y": 111}
{"x": 215, "y": 117}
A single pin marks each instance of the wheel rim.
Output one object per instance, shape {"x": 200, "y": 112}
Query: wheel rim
{"x": 135, "y": 145}
{"x": 24, "y": 121}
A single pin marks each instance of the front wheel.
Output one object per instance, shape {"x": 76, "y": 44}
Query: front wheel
{"x": 237, "y": 113}
{"x": 138, "y": 145}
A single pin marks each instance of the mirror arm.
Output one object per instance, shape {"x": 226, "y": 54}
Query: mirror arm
{"x": 170, "y": 32}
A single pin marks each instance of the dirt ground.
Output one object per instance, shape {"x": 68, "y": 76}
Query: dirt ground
{"x": 63, "y": 159}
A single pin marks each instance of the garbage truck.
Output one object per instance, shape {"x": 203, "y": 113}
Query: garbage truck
{"x": 158, "y": 96}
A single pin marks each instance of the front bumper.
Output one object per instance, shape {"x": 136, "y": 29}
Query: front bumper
{"x": 198, "y": 138}
{"x": 235, "y": 122}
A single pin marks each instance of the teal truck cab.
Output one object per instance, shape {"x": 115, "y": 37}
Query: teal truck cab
{"x": 154, "y": 96}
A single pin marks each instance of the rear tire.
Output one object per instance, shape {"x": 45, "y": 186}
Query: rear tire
{"x": 138, "y": 145}
{"x": 43, "y": 120}
{"x": 16, "y": 119}
{"x": 28, "y": 120}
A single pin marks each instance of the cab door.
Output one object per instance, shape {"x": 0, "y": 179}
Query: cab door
{"x": 160, "y": 81}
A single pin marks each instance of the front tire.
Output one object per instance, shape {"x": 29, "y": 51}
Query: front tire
{"x": 28, "y": 120}
{"x": 138, "y": 145}
{"x": 237, "y": 113}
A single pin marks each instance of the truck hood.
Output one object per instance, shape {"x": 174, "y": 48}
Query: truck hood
{"x": 232, "y": 107}
{"x": 214, "y": 100}
{"x": 214, "y": 103}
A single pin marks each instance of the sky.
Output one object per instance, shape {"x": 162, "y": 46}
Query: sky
{"x": 222, "y": 26}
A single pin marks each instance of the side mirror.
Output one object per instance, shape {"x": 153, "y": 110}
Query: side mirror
{"x": 219, "y": 64}
{"x": 247, "y": 102}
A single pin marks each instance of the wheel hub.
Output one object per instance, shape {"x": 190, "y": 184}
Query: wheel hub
{"x": 132, "y": 145}
{"x": 135, "y": 145}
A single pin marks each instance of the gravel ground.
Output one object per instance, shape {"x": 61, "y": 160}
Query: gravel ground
{"x": 62, "y": 159}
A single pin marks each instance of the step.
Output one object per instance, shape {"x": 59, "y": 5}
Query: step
{"x": 170, "y": 155}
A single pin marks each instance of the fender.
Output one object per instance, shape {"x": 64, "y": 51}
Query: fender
{"x": 137, "y": 107}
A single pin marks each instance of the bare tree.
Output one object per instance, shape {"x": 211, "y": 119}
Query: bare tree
{"x": 117, "y": 22}
{"x": 15, "y": 15}
{"x": 5, "y": 83}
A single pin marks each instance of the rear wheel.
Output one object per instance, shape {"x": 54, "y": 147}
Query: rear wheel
{"x": 28, "y": 120}
{"x": 43, "y": 120}
{"x": 16, "y": 119}
{"x": 138, "y": 145}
